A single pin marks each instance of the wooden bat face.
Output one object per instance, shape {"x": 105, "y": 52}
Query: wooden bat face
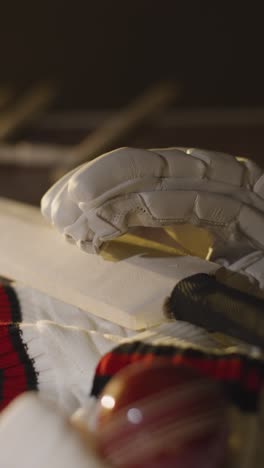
{"x": 130, "y": 292}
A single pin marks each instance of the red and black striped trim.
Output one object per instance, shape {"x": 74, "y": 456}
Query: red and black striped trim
{"x": 241, "y": 376}
{"x": 17, "y": 371}
{"x": 10, "y": 311}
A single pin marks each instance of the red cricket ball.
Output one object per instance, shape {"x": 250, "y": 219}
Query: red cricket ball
{"x": 158, "y": 415}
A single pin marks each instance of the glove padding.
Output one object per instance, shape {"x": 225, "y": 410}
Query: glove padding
{"x": 129, "y": 187}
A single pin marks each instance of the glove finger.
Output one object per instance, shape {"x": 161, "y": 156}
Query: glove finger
{"x": 227, "y": 218}
{"x": 79, "y": 231}
{"x": 219, "y": 167}
{"x": 224, "y": 167}
{"x": 48, "y": 198}
{"x": 63, "y": 211}
{"x": 70, "y": 221}
{"x": 131, "y": 170}
{"x": 120, "y": 171}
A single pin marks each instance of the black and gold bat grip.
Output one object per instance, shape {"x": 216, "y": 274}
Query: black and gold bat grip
{"x": 203, "y": 301}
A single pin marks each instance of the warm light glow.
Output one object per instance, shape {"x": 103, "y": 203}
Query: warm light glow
{"x": 209, "y": 253}
{"x": 241, "y": 159}
{"x": 134, "y": 416}
{"x": 108, "y": 402}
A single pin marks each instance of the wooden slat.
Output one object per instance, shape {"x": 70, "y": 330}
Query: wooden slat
{"x": 120, "y": 124}
{"x": 35, "y": 100}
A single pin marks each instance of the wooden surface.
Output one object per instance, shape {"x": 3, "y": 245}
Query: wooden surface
{"x": 129, "y": 292}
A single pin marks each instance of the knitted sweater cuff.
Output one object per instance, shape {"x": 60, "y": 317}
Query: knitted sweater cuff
{"x": 10, "y": 310}
{"x": 24, "y": 364}
{"x": 241, "y": 376}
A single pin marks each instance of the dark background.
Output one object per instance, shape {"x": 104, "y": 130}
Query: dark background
{"x": 102, "y": 53}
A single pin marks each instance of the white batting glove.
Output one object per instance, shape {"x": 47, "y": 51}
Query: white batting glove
{"x": 130, "y": 187}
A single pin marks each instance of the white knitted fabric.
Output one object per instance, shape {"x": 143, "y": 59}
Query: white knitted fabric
{"x": 66, "y": 344}
{"x": 35, "y": 434}
{"x": 65, "y": 359}
{"x": 36, "y": 306}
